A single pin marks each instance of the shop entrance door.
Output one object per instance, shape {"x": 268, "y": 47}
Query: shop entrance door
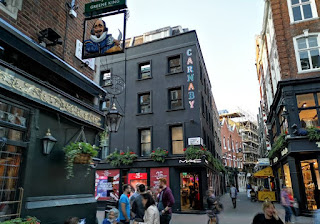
{"x": 190, "y": 191}
{"x": 310, "y": 172}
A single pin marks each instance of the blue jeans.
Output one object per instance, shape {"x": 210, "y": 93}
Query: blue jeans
{"x": 288, "y": 210}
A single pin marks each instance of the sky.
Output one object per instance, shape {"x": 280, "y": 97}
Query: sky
{"x": 226, "y": 31}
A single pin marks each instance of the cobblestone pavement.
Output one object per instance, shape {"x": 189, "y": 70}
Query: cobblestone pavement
{"x": 243, "y": 214}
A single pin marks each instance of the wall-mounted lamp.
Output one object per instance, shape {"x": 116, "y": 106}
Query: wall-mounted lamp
{"x": 49, "y": 37}
{"x": 48, "y": 142}
{"x": 113, "y": 119}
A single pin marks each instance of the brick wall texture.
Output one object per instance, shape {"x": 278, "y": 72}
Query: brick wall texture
{"x": 285, "y": 32}
{"x": 37, "y": 15}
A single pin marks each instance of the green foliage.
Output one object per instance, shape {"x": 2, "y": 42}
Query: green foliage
{"x": 103, "y": 138}
{"x": 74, "y": 149}
{"x": 278, "y": 145}
{"x": 313, "y": 134}
{"x": 159, "y": 155}
{"x": 194, "y": 152}
{"x": 125, "y": 158}
{"x": 28, "y": 220}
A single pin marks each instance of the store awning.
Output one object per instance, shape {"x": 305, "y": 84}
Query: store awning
{"x": 264, "y": 173}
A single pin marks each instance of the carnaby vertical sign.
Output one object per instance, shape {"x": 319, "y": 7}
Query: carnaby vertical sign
{"x": 190, "y": 79}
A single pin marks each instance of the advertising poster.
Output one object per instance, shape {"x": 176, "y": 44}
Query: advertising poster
{"x": 156, "y": 174}
{"x": 137, "y": 178}
{"x": 107, "y": 184}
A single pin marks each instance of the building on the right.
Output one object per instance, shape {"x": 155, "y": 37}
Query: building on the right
{"x": 288, "y": 68}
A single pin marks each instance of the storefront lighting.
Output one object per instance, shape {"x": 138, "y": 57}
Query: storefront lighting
{"x": 113, "y": 119}
{"x": 48, "y": 143}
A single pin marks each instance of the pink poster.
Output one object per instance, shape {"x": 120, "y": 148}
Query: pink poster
{"x": 107, "y": 184}
{"x": 156, "y": 174}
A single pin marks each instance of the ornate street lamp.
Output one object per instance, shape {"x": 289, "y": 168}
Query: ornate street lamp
{"x": 48, "y": 142}
{"x": 113, "y": 119}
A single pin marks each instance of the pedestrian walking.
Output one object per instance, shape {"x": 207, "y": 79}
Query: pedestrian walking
{"x": 213, "y": 208}
{"x": 249, "y": 190}
{"x": 316, "y": 217}
{"x": 285, "y": 202}
{"x": 233, "y": 195}
{"x": 166, "y": 201}
{"x": 137, "y": 205}
{"x": 293, "y": 205}
{"x": 112, "y": 217}
{"x": 269, "y": 215}
{"x": 124, "y": 205}
{"x": 151, "y": 215}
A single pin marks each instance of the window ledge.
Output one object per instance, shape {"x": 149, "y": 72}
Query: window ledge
{"x": 177, "y": 109}
{"x": 144, "y": 79}
{"x": 175, "y": 73}
{"x": 308, "y": 71}
{"x": 139, "y": 114}
{"x": 305, "y": 20}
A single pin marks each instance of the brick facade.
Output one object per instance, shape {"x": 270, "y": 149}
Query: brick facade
{"x": 285, "y": 31}
{"x": 230, "y": 143}
{"x": 36, "y": 15}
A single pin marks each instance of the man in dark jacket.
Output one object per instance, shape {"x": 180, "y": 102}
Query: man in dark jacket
{"x": 166, "y": 201}
{"x": 137, "y": 206}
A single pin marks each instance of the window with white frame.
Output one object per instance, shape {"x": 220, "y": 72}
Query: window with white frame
{"x": 224, "y": 142}
{"x": 308, "y": 52}
{"x": 228, "y": 144}
{"x": 300, "y": 10}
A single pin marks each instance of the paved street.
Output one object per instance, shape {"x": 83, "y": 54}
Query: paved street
{"x": 243, "y": 214}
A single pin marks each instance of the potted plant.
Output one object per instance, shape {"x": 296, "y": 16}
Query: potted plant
{"x": 159, "y": 155}
{"x": 117, "y": 158}
{"x": 79, "y": 153}
{"x": 194, "y": 152}
{"x": 28, "y": 220}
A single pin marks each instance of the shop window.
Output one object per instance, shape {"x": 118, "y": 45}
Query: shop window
{"x": 310, "y": 172}
{"x": 177, "y": 142}
{"x": 287, "y": 177}
{"x": 144, "y": 103}
{"x": 145, "y": 142}
{"x": 145, "y": 70}
{"x": 302, "y": 10}
{"x": 308, "y": 118}
{"x": 174, "y": 64}
{"x": 12, "y": 114}
{"x": 307, "y": 52}
{"x": 305, "y": 100}
{"x": 283, "y": 122}
{"x": 175, "y": 98}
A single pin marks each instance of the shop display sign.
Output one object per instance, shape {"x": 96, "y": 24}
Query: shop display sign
{"x": 275, "y": 159}
{"x": 107, "y": 184}
{"x": 104, "y": 35}
{"x": 190, "y": 161}
{"x": 156, "y": 174}
{"x": 284, "y": 151}
{"x": 20, "y": 85}
{"x": 104, "y": 6}
{"x": 195, "y": 141}
{"x": 263, "y": 161}
{"x": 137, "y": 178}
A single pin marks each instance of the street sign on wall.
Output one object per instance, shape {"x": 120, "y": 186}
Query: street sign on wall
{"x": 195, "y": 141}
{"x": 263, "y": 162}
{"x": 103, "y": 6}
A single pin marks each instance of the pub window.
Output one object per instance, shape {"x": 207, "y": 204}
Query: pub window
{"x": 106, "y": 78}
{"x": 145, "y": 141}
{"x": 307, "y": 110}
{"x": 144, "y": 103}
{"x": 174, "y": 64}
{"x": 145, "y": 70}
{"x": 177, "y": 142}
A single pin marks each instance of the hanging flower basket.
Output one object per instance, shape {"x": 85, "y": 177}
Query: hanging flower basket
{"x": 79, "y": 153}
{"x": 121, "y": 158}
{"x": 82, "y": 158}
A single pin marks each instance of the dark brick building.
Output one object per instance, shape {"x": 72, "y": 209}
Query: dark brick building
{"x": 166, "y": 102}
{"x": 40, "y": 88}
{"x": 288, "y": 67}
